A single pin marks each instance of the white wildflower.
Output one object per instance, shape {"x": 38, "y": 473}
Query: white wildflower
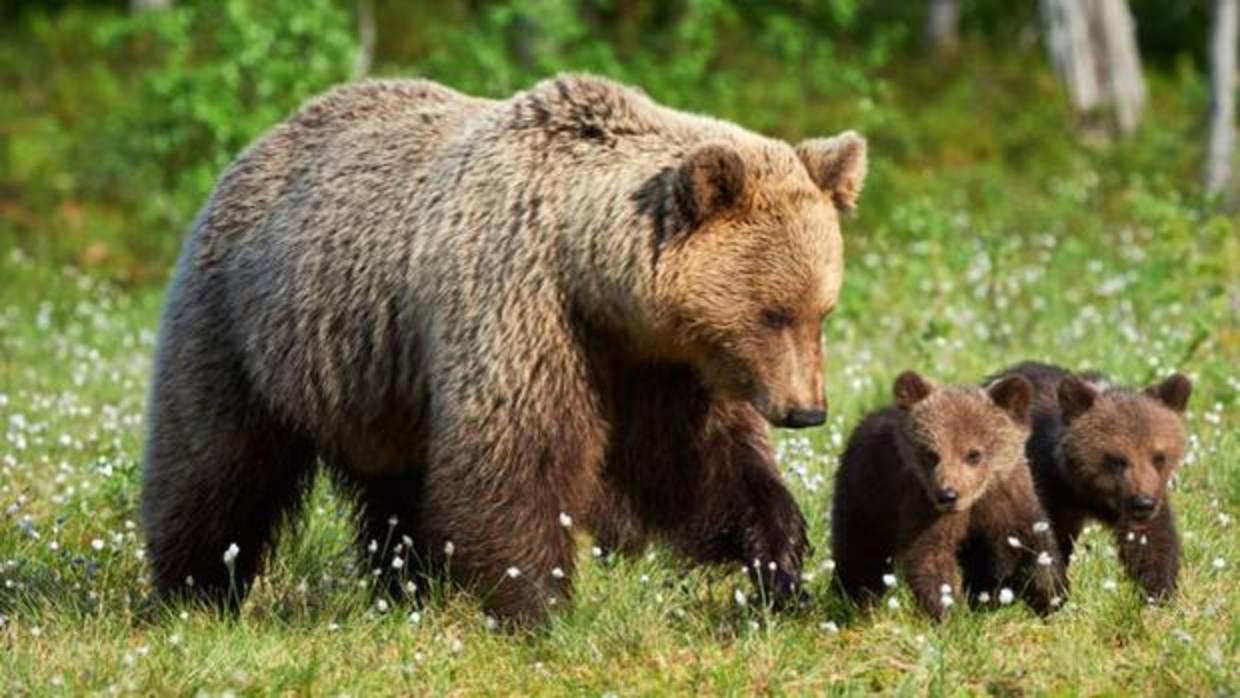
{"x": 1219, "y": 563}
{"x": 889, "y": 580}
{"x": 565, "y": 520}
{"x": 740, "y": 597}
{"x": 1044, "y": 559}
{"x": 1109, "y": 584}
{"x": 1014, "y": 541}
{"x": 1041, "y": 527}
{"x": 97, "y": 544}
{"x": 893, "y": 603}
{"x": 984, "y": 597}
{"x": 1006, "y": 596}
{"x": 415, "y": 618}
{"x": 557, "y": 572}
{"x": 830, "y": 627}
{"x": 398, "y": 563}
{"x": 449, "y": 548}
{"x": 231, "y": 553}
{"x": 513, "y": 572}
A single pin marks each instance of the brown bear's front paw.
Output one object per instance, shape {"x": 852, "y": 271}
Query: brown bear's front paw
{"x": 774, "y": 546}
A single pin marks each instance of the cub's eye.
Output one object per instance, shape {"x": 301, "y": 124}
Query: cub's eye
{"x": 973, "y": 457}
{"x": 1160, "y": 459}
{"x": 1113, "y": 462}
{"x": 776, "y": 318}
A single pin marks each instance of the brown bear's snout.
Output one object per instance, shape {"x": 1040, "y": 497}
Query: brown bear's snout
{"x": 798, "y": 418}
{"x": 1141, "y": 506}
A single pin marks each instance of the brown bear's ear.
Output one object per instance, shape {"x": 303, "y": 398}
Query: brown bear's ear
{"x": 1172, "y": 392}
{"x": 1013, "y": 395}
{"x": 910, "y": 388}
{"x": 837, "y": 166}
{"x": 712, "y": 181}
{"x": 1075, "y": 397}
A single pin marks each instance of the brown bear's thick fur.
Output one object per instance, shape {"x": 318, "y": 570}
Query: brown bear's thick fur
{"x": 1104, "y": 452}
{"x": 937, "y": 483}
{"x": 481, "y": 315}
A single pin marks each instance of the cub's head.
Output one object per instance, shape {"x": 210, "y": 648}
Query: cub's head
{"x": 750, "y": 261}
{"x": 1119, "y": 447}
{"x": 959, "y": 440}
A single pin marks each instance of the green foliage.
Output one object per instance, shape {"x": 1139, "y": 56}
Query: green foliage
{"x": 144, "y": 110}
{"x": 220, "y": 73}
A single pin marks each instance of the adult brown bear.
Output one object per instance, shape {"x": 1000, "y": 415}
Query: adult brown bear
{"x": 487, "y": 318}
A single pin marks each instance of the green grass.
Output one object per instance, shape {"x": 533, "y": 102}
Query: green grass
{"x": 975, "y": 247}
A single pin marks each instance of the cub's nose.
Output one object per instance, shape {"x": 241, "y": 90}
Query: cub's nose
{"x": 947, "y": 496}
{"x": 798, "y": 418}
{"x": 1141, "y": 505}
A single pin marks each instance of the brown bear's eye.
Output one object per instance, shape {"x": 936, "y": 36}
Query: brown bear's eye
{"x": 1160, "y": 459}
{"x": 973, "y": 457}
{"x": 1113, "y": 462}
{"x": 776, "y": 318}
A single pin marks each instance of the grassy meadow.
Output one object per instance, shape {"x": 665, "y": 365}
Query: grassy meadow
{"x": 988, "y": 233}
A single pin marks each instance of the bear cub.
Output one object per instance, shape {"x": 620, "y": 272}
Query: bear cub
{"x": 1103, "y": 452}
{"x": 937, "y": 483}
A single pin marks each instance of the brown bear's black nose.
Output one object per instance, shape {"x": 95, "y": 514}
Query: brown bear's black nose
{"x": 1141, "y": 504}
{"x": 947, "y": 495}
{"x": 796, "y": 419}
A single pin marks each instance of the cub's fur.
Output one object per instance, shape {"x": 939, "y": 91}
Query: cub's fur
{"x": 488, "y": 317}
{"x": 1103, "y": 452}
{"x": 937, "y": 482}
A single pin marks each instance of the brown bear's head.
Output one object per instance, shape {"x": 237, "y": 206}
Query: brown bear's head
{"x": 754, "y": 263}
{"x": 1119, "y": 448}
{"x": 959, "y": 440}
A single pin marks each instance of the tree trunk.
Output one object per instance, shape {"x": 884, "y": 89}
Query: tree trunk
{"x": 1220, "y": 154}
{"x": 365, "y": 38}
{"x": 1115, "y": 35}
{"x": 943, "y": 27}
{"x": 1093, "y": 46}
{"x": 1072, "y": 54}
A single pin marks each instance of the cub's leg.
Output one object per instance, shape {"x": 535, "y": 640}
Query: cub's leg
{"x": 928, "y": 561}
{"x": 1011, "y": 513}
{"x": 1152, "y": 556}
{"x": 861, "y": 551}
{"x": 220, "y": 470}
{"x": 701, "y": 474}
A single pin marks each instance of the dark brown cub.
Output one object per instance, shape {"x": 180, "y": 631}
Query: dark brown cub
{"x": 940, "y": 473}
{"x": 1103, "y": 452}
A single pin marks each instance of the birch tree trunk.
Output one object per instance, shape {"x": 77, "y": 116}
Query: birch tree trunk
{"x": 1093, "y": 46}
{"x": 1115, "y": 34}
{"x": 943, "y": 27}
{"x": 1220, "y": 153}
{"x": 365, "y": 38}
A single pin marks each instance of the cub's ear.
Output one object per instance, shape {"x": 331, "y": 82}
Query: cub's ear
{"x": 837, "y": 166}
{"x": 712, "y": 181}
{"x": 910, "y": 388}
{"x": 1013, "y": 395}
{"x": 1075, "y": 397}
{"x": 1172, "y": 392}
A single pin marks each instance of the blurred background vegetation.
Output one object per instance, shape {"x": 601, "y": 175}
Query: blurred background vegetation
{"x": 115, "y": 117}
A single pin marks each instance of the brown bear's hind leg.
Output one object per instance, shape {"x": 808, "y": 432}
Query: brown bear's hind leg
{"x": 386, "y": 510}
{"x": 219, "y": 472}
